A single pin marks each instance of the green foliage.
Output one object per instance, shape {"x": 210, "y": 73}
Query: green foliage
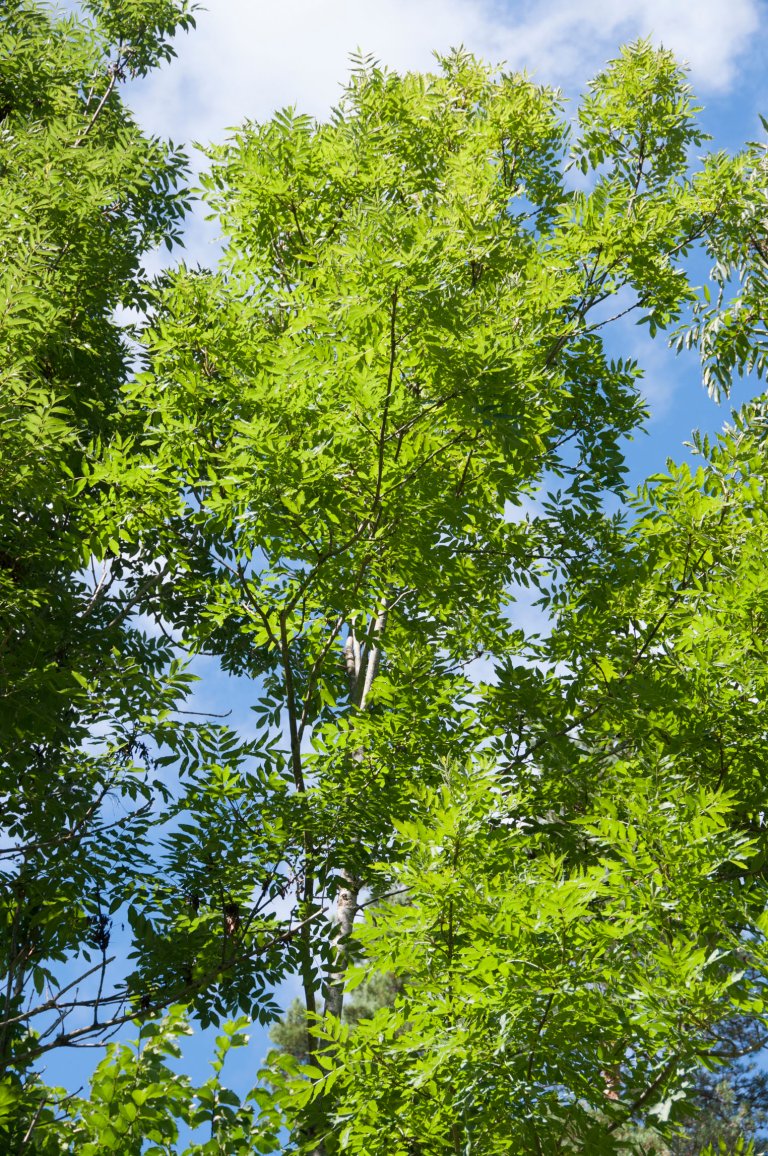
{"x": 319, "y": 475}
{"x": 291, "y": 1033}
{"x": 83, "y": 195}
{"x": 732, "y": 1105}
{"x": 531, "y": 978}
{"x": 138, "y": 1104}
{"x": 729, "y": 325}
{"x": 404, "y": 337}
{"x": 85, "y": 696}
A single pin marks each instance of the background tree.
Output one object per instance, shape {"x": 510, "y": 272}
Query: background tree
{"x": 731, "y": 1102}
{"x": 85, "y": 695}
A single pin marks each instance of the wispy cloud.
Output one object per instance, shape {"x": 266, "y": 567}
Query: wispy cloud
{"x": 247, "y": 59}
{"x": 567, "y": 41}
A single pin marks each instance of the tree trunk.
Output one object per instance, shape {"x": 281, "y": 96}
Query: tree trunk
{"x": 362, "y": 669}
{"x": 346, "y": 910}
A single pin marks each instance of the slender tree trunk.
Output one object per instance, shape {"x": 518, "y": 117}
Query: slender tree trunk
{"x": 362, "y": 669}
{"x": 346, "y": 910}
{"x": 362, "y": 666}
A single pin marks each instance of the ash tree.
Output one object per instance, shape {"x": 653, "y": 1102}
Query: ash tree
{"x": 339, "y": 456}
{"x": 339, "y": 431}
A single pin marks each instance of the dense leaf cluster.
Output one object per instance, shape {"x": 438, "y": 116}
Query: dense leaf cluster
{"x": 328, "y": 466}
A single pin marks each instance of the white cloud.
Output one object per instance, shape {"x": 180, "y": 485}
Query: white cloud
{"x": 664, "y": 375}
{"x": 566, "y": 42}
{"x": 246, "y": 59}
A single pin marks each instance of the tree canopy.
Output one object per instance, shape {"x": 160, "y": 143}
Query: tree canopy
{"x": 330, "y": 464}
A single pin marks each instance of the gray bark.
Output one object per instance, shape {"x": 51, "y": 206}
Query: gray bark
{"x": 362, "y": 668}
{"x": 344, "y": 918}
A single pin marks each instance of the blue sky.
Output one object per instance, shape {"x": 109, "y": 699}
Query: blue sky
{"x": 247, "y": 59}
